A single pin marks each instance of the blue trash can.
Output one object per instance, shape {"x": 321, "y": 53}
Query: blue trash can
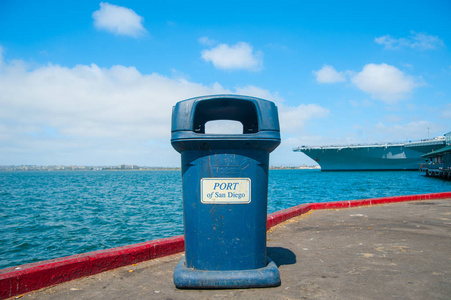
{"x": 225, "y": 186}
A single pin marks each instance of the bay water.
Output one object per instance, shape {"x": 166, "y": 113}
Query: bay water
{"x": 45, "y": 215}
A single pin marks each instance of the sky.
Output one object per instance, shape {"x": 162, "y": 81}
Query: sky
{"x": 94, "y": 83}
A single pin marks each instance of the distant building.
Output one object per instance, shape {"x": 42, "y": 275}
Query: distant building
{"x": 128, "y": 167}
{"x": 439, "y": 161}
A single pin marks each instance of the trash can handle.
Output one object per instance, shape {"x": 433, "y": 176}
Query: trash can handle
{"x": 233, "y": 109}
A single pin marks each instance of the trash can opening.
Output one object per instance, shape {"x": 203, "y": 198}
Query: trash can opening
{"x": 223, "y": 127}
{"x": 244, "y": 112}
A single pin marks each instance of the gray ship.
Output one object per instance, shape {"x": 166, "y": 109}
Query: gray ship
{"x": 386, "y": 157}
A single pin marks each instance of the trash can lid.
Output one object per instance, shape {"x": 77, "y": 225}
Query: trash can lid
{"x": 255, "y": 114}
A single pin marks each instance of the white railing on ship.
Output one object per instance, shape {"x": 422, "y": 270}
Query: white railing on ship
{"x": 425, "y": 142}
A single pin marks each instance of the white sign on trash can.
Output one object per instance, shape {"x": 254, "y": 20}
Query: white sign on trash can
{"x": 225, "y": 190}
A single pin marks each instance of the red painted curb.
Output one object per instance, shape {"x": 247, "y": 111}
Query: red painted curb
{"x": 29, "y": 277}
{"x": 25, "y": 278}
{"x": 374, "y": 201}
{"x": 285, "y": 214}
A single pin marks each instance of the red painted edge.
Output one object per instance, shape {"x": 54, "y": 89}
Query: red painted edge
{"x": 25, "y": 278}
{"x": 285, "y": 214}
{"x": 374, "y": 201}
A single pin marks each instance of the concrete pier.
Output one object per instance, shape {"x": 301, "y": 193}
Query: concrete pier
{"x": 398, "y": 250}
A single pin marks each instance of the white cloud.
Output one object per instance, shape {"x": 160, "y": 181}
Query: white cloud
{"x": 393, "y": 118}
{"x": 206, "y": 41}
{"x": 420, "y": 41}
{"x": 384, "y": 82}
{"x": 284, "y": 155}
{"x": 1, "y": 57}
{"x": 255, "y": 91}
{"x": 235, "y": 57}
{"x": 446, "y": 112}
{"x": 415, "y": 130}
{"x": 103, "y": 116}
{"x": 118, "y": 20}
{"x": 425, "y": 42}
{"x": 361, "y": 103}
{"x": 328, "y": 74}
{"x": 391, "y": 43}
{"x": 292, "y": 118}
{"x": 89, "y": 115}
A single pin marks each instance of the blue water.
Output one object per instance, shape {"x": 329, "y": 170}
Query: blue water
{"x": 46, "y": 215}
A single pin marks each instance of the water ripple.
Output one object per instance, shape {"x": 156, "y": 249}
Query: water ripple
{"x": 47, "y": 215}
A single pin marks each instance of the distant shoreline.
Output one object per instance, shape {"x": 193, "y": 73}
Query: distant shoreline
{"x": 296, "y": 168}
{"x": 27, "y": 168}
{"x": 84, "y": 168}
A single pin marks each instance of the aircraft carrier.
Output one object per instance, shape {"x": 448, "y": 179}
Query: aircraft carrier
{"x": 386, "y": 157}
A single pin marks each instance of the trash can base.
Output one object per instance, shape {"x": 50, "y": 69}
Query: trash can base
{"x": 186, "y": 278}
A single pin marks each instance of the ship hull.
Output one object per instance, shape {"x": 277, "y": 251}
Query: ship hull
{"x": 372, "y": 158}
